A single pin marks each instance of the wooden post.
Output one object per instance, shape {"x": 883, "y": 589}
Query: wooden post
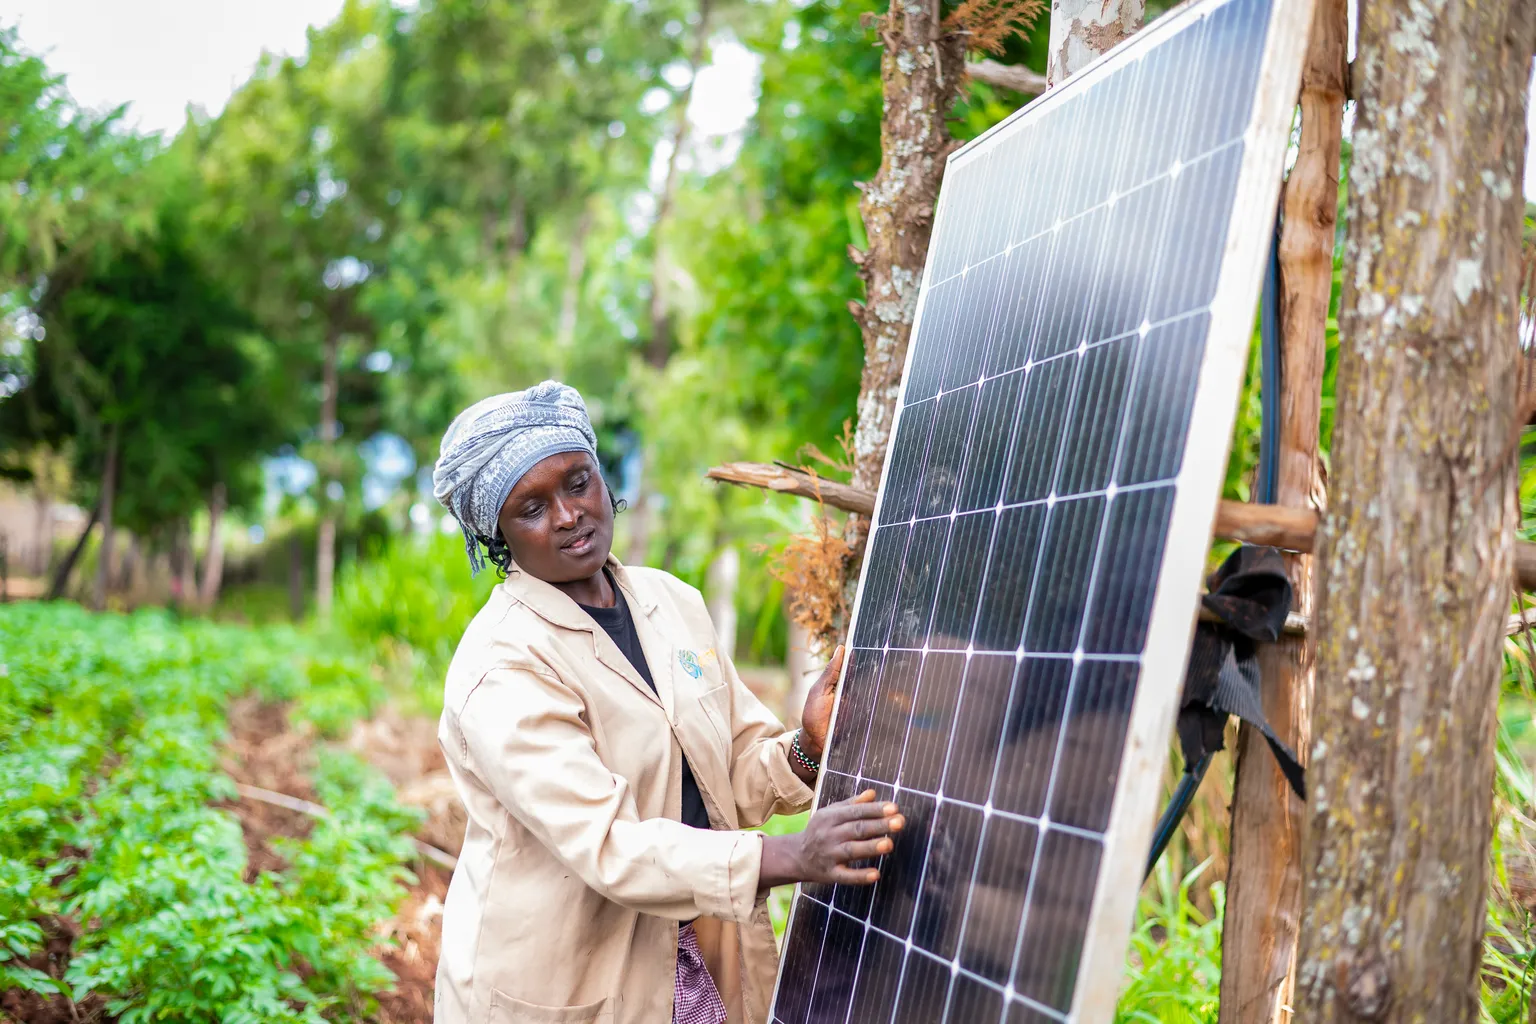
{"x": 1416, "y": 550}
{"x": 1263, "y": 910}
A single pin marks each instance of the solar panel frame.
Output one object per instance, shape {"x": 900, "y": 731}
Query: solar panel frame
{"x": 1127, "y": 832}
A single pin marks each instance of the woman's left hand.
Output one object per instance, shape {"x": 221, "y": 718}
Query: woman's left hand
{"x": 817, "y": 716}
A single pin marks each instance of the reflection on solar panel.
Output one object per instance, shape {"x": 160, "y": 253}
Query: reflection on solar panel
{"x": 1031, "y": 582}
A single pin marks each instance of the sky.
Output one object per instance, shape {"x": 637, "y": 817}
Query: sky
{"x": 160, "y": 55}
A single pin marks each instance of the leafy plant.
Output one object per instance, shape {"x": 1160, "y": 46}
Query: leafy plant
{"x": 1173, "y": 974}
{"x": 111, "y": 829}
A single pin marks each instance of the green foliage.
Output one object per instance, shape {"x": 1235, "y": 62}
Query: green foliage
{"x": 410, "y": 602}
{"x": 341, "y": 690}
{"x": 109, "y": 786}
{"x": 1173, "y": 974}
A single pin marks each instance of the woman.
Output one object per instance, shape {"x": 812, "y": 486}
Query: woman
{"x": 609, "y": 757}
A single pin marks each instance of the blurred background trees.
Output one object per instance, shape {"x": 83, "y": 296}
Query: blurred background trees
{"x": 248, "y": 338}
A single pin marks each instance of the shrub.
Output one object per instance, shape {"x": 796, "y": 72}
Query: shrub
{"x": 410, "y": 601}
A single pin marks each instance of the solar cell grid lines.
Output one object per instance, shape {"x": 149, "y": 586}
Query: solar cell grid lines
{"x": 1034, "y": 561}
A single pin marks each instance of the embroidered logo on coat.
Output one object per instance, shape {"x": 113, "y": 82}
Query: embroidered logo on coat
{"x": 690, "y": 663}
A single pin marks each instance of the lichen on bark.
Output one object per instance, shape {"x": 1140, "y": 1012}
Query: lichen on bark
{"x": 1416, "y": 548}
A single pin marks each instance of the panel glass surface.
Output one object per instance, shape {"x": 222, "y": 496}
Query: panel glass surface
{"x": 1020, "y": 533}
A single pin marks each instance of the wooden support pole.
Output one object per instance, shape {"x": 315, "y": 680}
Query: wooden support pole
{"x": 1264, "y": 880}
{"x": 1291, "y": 529}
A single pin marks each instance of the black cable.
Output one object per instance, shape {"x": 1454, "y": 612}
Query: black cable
{"x": 1270, "y": 370}
{"x": 1178, "y": 804}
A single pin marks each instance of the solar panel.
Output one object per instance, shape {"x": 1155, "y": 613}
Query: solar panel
{"x": 1030, "y": 585}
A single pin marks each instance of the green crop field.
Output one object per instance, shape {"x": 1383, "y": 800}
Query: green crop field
{"x": 124, "y": 883}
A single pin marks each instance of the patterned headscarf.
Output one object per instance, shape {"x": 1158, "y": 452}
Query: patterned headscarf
{"x": 490, "y": 445}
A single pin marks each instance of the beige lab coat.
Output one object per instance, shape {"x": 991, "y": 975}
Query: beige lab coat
{"x": 576, "y": 871}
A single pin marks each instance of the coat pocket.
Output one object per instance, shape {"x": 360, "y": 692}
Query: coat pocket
{"x": 507, "y": 1010}
{"x": 716, "y": 705}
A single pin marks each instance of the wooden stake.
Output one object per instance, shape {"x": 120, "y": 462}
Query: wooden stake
{"x": 1291, "y": 529}
{"x": 1263, "y": 908}
{"x": 441, "y": 858}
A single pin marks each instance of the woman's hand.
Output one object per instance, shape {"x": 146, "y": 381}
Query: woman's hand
{"x": 835, "y": 837}
{"x": 817, "y": 716}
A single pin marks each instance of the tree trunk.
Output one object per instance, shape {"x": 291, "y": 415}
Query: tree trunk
{"x": 720, "y": 583}
{"x": 575, "y": 272}
{"x": 42, "y": 506}
{"x": 1083, "y": 30}
{"x": 187, "y": 570}
{"x": 1416, "y": 550}
{"x": 1263, "y": 908}
{"x": 108, "y": 492}
{"x": 922, "y": 71}
{"x": 128, "y": 567}
{"x": 330, "y": 430}
{"x": 659, "y": 348}
{"x": 61, "y": 574}
{"x": 213, "y": 561}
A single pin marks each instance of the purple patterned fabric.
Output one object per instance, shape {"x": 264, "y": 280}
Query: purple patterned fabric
{"x": 695, "y": 998}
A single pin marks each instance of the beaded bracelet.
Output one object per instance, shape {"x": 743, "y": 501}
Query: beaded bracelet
{"x": 800, "y": 755}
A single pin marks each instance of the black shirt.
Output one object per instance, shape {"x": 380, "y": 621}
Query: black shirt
{"x": 619, "y": 625}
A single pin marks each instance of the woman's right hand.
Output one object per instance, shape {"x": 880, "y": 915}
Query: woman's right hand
{"x": 835, "y": 837}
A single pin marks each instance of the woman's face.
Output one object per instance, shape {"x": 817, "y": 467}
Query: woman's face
{"x": 558, "y": 520}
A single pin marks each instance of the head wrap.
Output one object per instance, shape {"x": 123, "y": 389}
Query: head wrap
{"x": 490, "y": 445}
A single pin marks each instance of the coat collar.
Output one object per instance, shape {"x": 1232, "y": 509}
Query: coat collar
{"x": 557, "y": 608}
{"x": 553, "y": 604}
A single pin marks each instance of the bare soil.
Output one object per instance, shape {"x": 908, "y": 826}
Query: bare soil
{"x": 263, "y": 751}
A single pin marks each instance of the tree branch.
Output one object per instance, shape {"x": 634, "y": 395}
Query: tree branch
{"x": 796, "y": 482}
{"x": 1006, "y": 76}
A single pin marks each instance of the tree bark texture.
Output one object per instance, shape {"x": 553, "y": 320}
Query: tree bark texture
{"x": 108, "y": 493}
{"x": 1263, "y": 908}
{"x": 213, "y": 561}
{"x": 922, "y": 71}
{"x": 1416, "y": 550}
{"x": 330, "y": 430}
{"x": 1083, "y": 30}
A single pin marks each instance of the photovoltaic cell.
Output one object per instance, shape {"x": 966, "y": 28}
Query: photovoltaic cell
{"x": 1081, "y": 305}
